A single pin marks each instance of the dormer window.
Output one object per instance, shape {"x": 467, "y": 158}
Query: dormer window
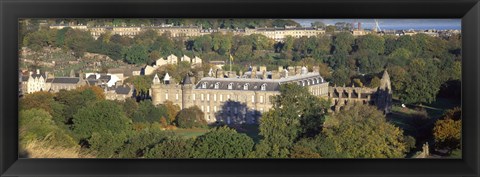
{"x": 217, "y": 85}
{"x": 263, "y": 87}
{"x": 245, "y": 87}
{"x": 204, "y": 85}
{"x": 230, "y": 86}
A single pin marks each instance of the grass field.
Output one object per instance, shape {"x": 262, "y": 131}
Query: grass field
{"x": 418, "y": 120}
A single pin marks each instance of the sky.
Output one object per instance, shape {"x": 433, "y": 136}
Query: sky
{"x": 393, "y": 24}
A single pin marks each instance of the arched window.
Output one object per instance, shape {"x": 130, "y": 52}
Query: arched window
{"x": 245, "y": 87}
{"x": 230, "y": 86}
{"x": 264, "y": 87}
{"x": 204, "y": 85}
{"x": 217, "y": 85}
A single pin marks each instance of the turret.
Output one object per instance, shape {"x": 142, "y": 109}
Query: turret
{"x": 156, "y": 80}
{"x": 187, "y": 90}
{"x": 166, "y": 79}
{"x": 385, "y": 82}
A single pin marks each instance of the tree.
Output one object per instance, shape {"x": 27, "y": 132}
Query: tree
{"x": 101, "y": 117}
{"x": 173, "y": 147}
{"x": 448, "y": 130}
{"x": 296, "y": 113}
{"x": 422, "y": 83}
{"x": 73, "y": 100}
{"x": 137, "y": 54}
{"x": 147, "y": 112}
{"x": 39, "y": 39}
{"x": 190, "y": 118}
{"x": 342, "y": 42}
{"x": 142, "y": 84}
{"x": 105, "y": 143}
{"x": 318, "y": 24}
{"x": 139, "y": 144}
{"x": 38, "y": 125}
{"x": 375, "y": 82}
{"x": 78, "y": 41}
{"x": 172, "y": 110}
{"x": 305, "y": 148}
{"x": 361, "y": 131}
{"x": 372, "y": 43}
{"x": 223, "y": 142}
{"x": 341, "y": 76}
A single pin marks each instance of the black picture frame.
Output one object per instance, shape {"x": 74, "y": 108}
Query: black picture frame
{"x": 11, "y": 11}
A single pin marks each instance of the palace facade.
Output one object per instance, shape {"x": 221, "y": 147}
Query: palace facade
{"x": 242, "y": 99}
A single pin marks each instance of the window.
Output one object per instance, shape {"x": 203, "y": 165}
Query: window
{"x": 235, "y": 110}
{"x": 166, "y": 96}
{"x": 204, "y": 85}
{"x": 208, "y": 108}
{"x": 253, "y": 98}
{"x": 264, "y": 87}
{"x": 208, "y": 97}
{"x": 203, "y": 108}
{"x": 228, "y": 97}
{"x": 214, "y": 97}
{"x": 217, "y": 85}
{"x": 193, "y": 97}
{"x": 245, "y": 87}
{"x": 230, "y": 86}
{"x": 202, "y": 97}
{"x": 261, "y": 99}
{"x": 176, "y": 96}
{"x": 221, "y": 97}
{"x": 214, "y": 108}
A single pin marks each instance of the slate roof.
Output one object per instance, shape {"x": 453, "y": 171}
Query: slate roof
{"x": 255, "y": 84}
{"x": 66, "y": 80}
{"x": 105, "y": 77}
{"x": 92, "y": 77}
{"x": 125, "y": 90}
{"x": 25, "y": 78}
{"x": 187, "y": 80}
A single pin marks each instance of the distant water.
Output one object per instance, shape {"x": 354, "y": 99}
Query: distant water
{"x": 394, "y": 24}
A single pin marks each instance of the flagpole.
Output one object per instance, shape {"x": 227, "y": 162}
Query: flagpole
{"x": 230, "y": 63}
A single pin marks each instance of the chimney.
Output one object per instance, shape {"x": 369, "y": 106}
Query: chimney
{"x": 38, "y": 71}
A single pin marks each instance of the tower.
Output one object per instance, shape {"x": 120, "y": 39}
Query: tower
{"x": 187, "y": 90}
{"x": 156, "y": 90}
{"x": 384, "y": 94}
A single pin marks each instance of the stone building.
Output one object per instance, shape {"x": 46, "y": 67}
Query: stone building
{"x": 119, "y": 92}
{"x": 33, "y": 82}
{"x": 226, "y": 97}
{"x": 280, "y": 33}
{"x": 232, "y": 100}
{"x": 64, "y": 83}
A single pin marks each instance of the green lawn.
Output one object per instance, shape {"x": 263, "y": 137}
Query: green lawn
{"x": 418, "y": 120}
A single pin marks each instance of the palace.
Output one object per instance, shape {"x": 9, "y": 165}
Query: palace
{"x": 233, "y": 99}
